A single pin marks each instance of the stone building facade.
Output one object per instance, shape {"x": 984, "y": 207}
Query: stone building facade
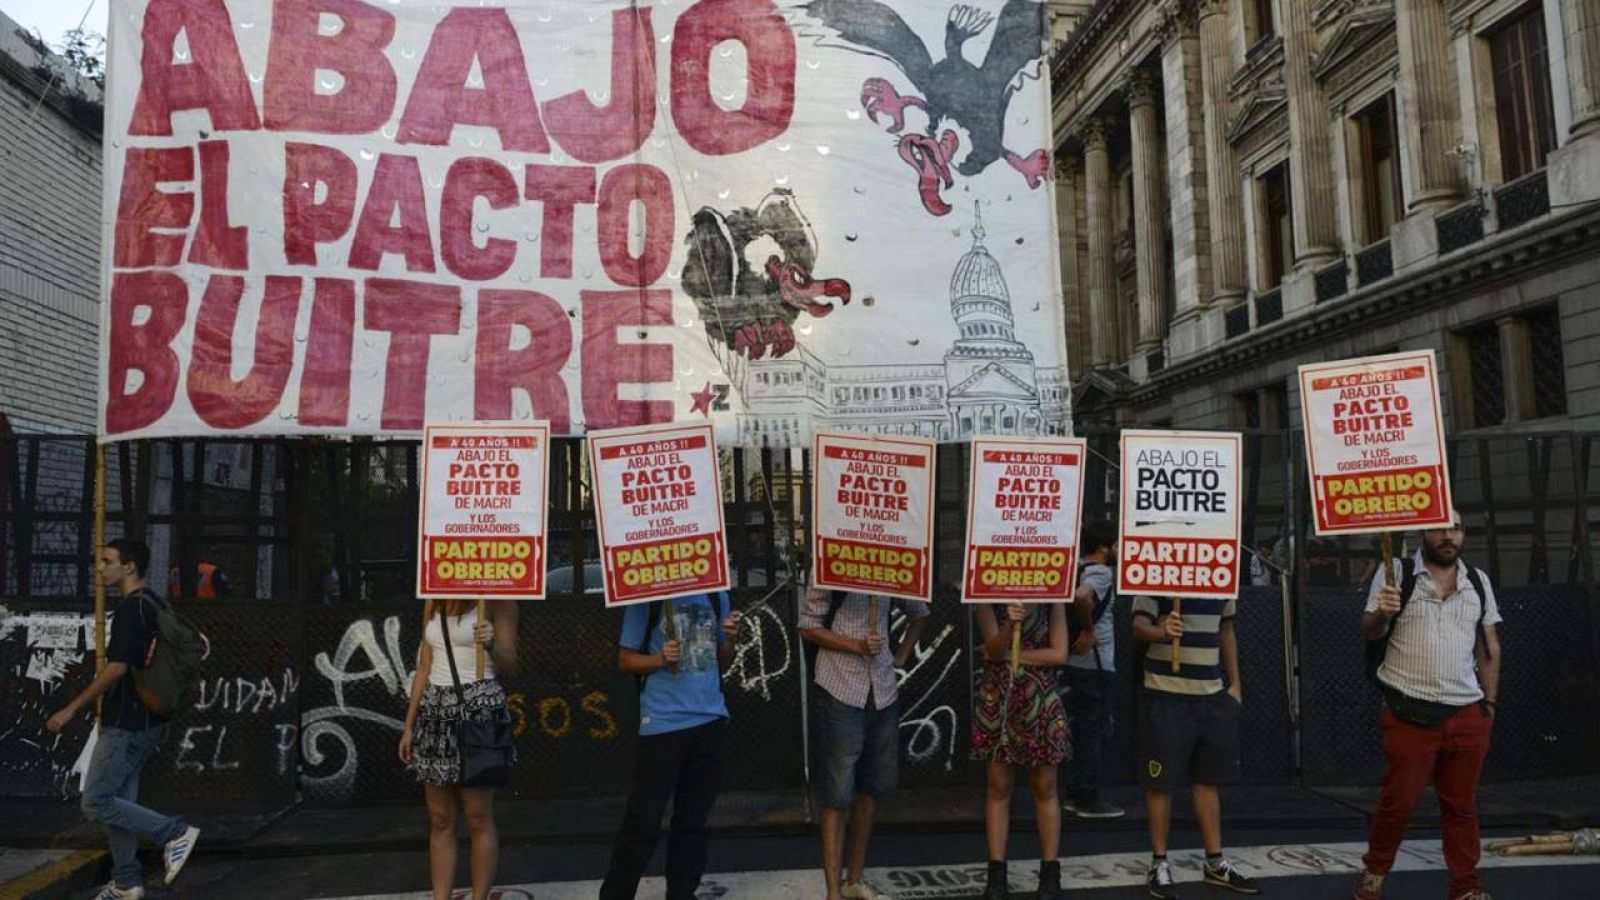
{"x": 1244, "y": 186}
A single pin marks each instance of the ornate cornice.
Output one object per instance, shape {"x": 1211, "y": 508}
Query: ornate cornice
{"x": 1557, "y": 242}
{"x": 1361, "y": 22}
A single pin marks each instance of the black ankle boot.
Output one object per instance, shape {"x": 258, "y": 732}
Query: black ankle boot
{"x": 996, "y": 889}
{"x": 1050, "y": 880}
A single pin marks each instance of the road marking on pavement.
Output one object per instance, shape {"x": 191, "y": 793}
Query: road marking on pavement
{"x": 60, "y": 867}
{"x": 1077, "y": 873}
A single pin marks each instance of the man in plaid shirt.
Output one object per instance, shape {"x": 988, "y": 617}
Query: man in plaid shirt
{"x": 859, "y": 722}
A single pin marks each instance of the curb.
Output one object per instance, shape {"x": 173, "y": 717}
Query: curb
{"x": 73, "y": 871}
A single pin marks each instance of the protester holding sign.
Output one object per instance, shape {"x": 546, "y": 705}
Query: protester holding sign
{"x": 1431, "y": 626}
{"x": 1018, "y": 721}
{"x": 448, "y": 689}
{"x": 1189, "y": 727}
{"x": 1090, "y": 672}
{"x": 677, "y": 649}
{"x": 859, "y": 734}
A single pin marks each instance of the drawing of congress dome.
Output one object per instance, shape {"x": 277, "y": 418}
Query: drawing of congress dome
{"x": 986, "y": 382}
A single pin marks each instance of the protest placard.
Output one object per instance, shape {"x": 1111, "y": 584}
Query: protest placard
{"x": 658, "y": 501}
{"x": 1375, "y": 444}
{"x": 1023, "y": 512}
{"x": 872, "y": 515}
{"x": 482, "y": 516}
{"x": 1180, "y": 514}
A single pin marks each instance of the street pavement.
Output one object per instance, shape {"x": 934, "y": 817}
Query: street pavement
{"x": 1310, "y": 864}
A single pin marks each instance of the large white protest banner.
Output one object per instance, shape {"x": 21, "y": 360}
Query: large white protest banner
{"x": 355, "y": 216}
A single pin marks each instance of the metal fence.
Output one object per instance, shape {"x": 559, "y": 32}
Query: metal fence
{"x": 315, "y": 633}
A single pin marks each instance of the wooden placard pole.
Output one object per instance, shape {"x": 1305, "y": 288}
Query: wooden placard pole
{"x": 670, "y": 622}
{"x": 482, "y": 650}
{"x": 872, "y": 615}
{"x": 1177, "y": 642}
{"x": 1016, "y": 647}
{"x": 99, "y": 584}
{"x": 1388, "y": 560}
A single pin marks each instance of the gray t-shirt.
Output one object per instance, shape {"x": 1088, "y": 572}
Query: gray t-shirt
{"x": 1101, "y": 578}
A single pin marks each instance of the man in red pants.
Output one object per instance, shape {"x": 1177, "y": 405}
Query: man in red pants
{"x": 1434, "y": 626}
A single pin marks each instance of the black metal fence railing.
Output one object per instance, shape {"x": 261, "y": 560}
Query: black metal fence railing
{"x": 315, "y": 632}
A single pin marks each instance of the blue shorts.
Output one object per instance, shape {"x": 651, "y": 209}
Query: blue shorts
{"x": 858, "y": 751}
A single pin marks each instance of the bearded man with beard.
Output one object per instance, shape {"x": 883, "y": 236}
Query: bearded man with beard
{"x": 1433, "y": 626}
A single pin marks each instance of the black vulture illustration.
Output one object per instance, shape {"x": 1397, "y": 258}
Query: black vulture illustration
{"x": 952, "y": 90}
{"x": 749, "y": 272}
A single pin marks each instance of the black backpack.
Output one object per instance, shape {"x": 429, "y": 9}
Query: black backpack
{"x": 1378, "y": 648}
{"x": 835, "y": 600}
{"x": 1102, "y": 605}
{"x": 653, "y": 618}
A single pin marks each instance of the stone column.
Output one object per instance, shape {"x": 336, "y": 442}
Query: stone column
{"x": 1072, "y": 299}
{"x": 1316, "y": 219}
{"x": 1186, "y": 168}
{"x": 1104, "y": 345}
{"x": 1149, "y": 218}
{"x": 1222, "y": 164}
{"x": 1433, "y": 123}
{"x": 1581, "y": 20}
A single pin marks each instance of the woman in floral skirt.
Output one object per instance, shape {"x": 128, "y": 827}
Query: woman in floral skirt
{"x": 1019, "y": 721}
{"x": 428, "y": 744}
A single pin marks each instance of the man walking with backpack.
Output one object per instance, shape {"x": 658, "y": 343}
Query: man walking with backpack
{"x": 859, "y": 723}
{"x": 677, "y": 649}
{"x": 1433, "y": 649}
{"x": 1091, "y": 673}
{"x": 130, "y": 731}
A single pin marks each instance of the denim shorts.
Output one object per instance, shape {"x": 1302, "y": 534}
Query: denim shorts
{"x": 858, "y": 751}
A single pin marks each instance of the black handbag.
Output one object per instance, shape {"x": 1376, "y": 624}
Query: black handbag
{"x": 486, "y": 746}
{"x": 1425, "y": 713}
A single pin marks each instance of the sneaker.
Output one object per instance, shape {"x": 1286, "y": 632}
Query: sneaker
{"x": 112, "y": 892}
{"x": 178, "y": 850}
{"x": 1224, "y": 875}
{"x": 1369, "y": 887}
{"x": 1160, "y": 881}
{"x": 863, "y": 890}
{"x": 1099, "y": 809}
{"x": 1475, "y": 895}
{"x": 1070, "y": 806}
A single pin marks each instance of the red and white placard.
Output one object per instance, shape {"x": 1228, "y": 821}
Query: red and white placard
{"x": 872, "y": 515}
{"x": 658, "y": 501}
{"x": 1375, "y": 443}
{"x": 1024, "y": 506}
{"x": 1180, "y": 514}
{"x": 482, "y": 516}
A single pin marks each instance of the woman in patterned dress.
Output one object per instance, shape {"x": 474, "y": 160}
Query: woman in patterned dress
{"x": 1019, "y": 721}
{"x": 428, "y": 744}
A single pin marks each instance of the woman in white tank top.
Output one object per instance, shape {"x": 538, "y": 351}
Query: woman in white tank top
{"x": 428, "y": 744}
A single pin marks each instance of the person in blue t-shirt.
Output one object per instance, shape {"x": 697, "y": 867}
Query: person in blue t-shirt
{"x": 683, "y": 732}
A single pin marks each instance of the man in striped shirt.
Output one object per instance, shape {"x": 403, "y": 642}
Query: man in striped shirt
{"x": 859, "y": 722}
{"x": 1188, "y": 727}
{"x": 1440, "y": 678}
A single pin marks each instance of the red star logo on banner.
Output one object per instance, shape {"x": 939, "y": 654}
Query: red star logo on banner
{"x": 702, "y": 401}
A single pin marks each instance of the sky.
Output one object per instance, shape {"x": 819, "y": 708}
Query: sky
{"x": 54, "y": 18}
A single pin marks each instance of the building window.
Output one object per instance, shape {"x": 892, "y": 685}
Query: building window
{"x": 1487, "y": 375}
{"x": 1549, "y": 366}
{"x": 1265, "y": 407}
{"x": 1380, "y": 169}
{"x": 1277, "y": 226}
{"x": 1521, "y": 65}
{"x": 1265, "y": 23}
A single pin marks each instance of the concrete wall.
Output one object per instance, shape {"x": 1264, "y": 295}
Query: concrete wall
{"x": 49, "y": 250}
